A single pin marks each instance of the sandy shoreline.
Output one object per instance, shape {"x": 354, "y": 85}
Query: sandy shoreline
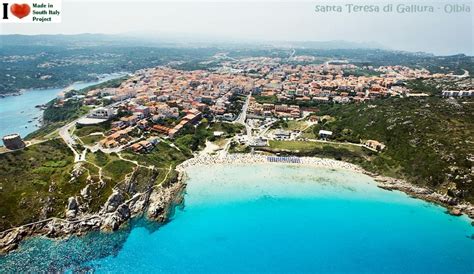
{"x": 205, "y": 160}
{"x": 454, "y": 206}
{"x": 159, "y": 203}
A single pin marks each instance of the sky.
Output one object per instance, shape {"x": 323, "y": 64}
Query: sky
{"x": 246, "y": 21}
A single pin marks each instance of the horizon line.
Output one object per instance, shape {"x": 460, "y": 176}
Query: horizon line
{"x": 221, "y": 40}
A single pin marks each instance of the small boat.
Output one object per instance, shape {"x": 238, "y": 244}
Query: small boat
{"x": 30, "y": 121}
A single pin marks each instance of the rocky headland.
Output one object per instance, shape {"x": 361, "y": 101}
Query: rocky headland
{"x": 156, "y": 203}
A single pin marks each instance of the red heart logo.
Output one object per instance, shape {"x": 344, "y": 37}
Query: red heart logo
{"x": 20, "y": 11}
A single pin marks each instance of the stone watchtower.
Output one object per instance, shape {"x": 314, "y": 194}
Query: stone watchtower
{"x": 13, "y": 141}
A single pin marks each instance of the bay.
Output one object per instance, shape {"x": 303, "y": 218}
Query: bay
{"x": 18, "y": 114}
{"x": 272, "y": 218}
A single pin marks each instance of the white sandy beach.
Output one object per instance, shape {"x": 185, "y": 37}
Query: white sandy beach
{"x": 204, "y": 160}
{"x": 456, "y": 208}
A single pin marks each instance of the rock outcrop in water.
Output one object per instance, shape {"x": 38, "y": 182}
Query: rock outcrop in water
{"x": 162, "y": 201}
{"x": 454, "y": 205}
{"x": 157, "y": 202}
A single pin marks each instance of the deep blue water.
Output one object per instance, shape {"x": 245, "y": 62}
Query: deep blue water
{"x": 16, "y": 111}
{"x": 273, "y": 218}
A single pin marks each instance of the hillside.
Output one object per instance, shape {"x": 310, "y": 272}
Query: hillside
{"x": 37, "y": 181}
{"x": 429, "y": 141}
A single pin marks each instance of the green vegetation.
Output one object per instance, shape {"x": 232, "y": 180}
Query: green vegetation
{"x": 55, "y": 117}
{"x": 229, "y": 130}
{"x": 34, "y": 178}
{"x": 67, "y": 59}
{"x": 237, "y": 102}
{"x": 266, "y": 99}
{"x": 194, "y": 138}
{"x": 235, "y": 147}
{"x": 274, "y": 100}
{"x": 429, "y": 140}
{"x": 291, "y": 124}
{"x": 45, "y": 130}
{"x": 162, "y": 156}
{"x": 344, "y": 152}
{"x": 424, "y": 86}
{"x": 37, "y": 182}
{"x": 87, "y": 130}
{"x": 58, "y": 116}
{"x": 310, "y": 133}
{"x": 100, "y": 158}
{"x": 361, "y": 72}
{"x": 69, "y": 111}
{"x": 90, "y": 135}
{"x": 118, "y": 169}
{"x": 92, "y": 139}
{"x": 142, "y": 180}
{"x": 114, "y": 83}
{"x": 305, "y": 147}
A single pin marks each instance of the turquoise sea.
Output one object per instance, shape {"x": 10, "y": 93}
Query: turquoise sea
{"x": 17, "y": 111}
{"x": 272, "y": 218}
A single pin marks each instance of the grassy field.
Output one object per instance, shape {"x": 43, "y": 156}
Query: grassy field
{"x": 34, "y": 177}
{"x": 117, "y": 169}
{"x": 309, "y": 133}
{"x": 162, "y": 156}
{"x": 91, "y": 139}
{"x": 296, "y": 125}
{"x": 228, "y": 128}
{"x": 100, "y": 158}
{"x": 303, "y": 146}
{"x": 87, "y": 130}
{"x": 84, "y": 133}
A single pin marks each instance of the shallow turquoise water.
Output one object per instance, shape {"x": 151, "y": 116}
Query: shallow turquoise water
{"x": 273, "y": 218}
{"x": 16, "y": 111}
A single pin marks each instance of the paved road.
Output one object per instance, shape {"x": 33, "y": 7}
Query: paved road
{"x": 243, "y": 114}
{"x": 465, "y": 75}
{"x": 69, "y": 140}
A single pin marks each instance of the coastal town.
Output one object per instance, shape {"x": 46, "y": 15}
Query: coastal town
{"x": 160, "y": 102}
{"x": 159, "y": 121}
{"x": 237, "y": 137}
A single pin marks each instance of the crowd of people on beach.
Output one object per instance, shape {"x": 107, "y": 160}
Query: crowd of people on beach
{"x": 260, "y": 159}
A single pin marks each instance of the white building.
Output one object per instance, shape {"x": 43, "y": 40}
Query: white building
{"x": 458, "y": 93}
{"x": 102, "y": 113}
{"x": 324, "y": 134}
